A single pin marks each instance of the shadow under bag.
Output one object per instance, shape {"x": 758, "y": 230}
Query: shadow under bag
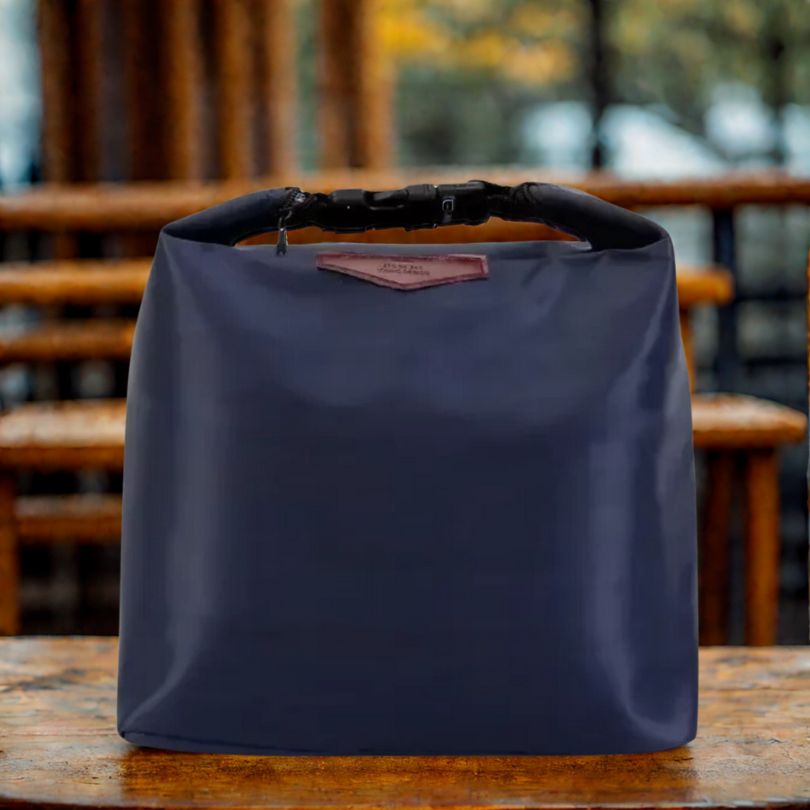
{"x": 409, "y": 499}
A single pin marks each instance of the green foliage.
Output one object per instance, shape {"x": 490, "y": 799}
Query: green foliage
{"x": 677, "y": 52}
{"x": 471, "y": 70}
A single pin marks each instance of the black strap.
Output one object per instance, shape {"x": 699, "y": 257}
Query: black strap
{"x": 600, "y": 223}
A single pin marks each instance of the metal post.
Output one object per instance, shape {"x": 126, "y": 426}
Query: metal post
{"x": 727, "y": 359}
{"x": 599, "y": 80}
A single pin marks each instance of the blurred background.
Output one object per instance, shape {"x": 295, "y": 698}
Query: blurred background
{"x": 116, "y": 117}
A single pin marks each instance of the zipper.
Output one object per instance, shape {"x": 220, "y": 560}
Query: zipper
{"x": 295, "y": 198}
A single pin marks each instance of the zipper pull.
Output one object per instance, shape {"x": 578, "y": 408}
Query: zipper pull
{"x": 282, "y": 242}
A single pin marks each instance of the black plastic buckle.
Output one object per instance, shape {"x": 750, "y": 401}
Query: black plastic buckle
{"x": 350, "y": 197}
{"x": 417, "y": 206}
{"x": 384, "y": 200}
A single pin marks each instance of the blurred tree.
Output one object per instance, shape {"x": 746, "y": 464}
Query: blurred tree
{"x": 525, "y": 41}
{"x": 469, "y": 69}
{"x": 677, "y": 52}
{"x": 470, "y": 72}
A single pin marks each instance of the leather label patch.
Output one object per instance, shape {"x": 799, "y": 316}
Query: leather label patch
{"x": 406, "y": 272}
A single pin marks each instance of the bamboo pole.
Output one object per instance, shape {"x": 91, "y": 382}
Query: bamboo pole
{"x": 87, "y": 34}
{"x": 354, "y": 87}
{"x": 234, "y": 88}
{"x": 183, "y": 72}
{"x": 277, "y": 75}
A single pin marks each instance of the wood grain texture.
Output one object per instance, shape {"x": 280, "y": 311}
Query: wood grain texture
{"x": 183, "y": 75}
{"x": 60, "y": 749}
{"x": 335, "y": 58}
{"x": 58, "y": 154}
{"x": 87, "y": 518}
{"x": 714, "y": 547}
{"x": 754, "y": 429}
{"x": 88, "y": 104}
{"x": 59, "y": 141}
{"x": 63, "y": 435}
{"x": 74, "y": 282}
{"x": 723, "y": 421}
{"x": 354, "y": 84}
{"x": 147, "y": 206}
{"x": 50, "y": 341}
{"x": 704, "y": 285}
{"x": 278, "y": 84}
{"x": 375, "y": 133}
{"x": 700, "y": 286}
{"x": 234, "y": 87}
{"x": 761, "y": 547}
{"x": 9, "y": 563}
{"x": 685, "y": 324}
{"x": 144, "y": 89}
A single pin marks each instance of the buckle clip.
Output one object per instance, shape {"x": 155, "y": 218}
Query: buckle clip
{"x": 448, "y": 206}
{"x": 418, "y": 206}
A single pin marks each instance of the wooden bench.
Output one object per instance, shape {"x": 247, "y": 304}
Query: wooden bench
{"x": 90, "y": 519}
{"x": 74, "y": 435}
{"x": 90, "y": 434}
{"x": 88, "y": 281}
{"x": 60, "y": 749}
{"x": 55, "y": 436}
{"x": 736, "y": 430}
{"x": 86, "y": 435}
{"x": 51, "y": 341}
{"x": 700, "y": 286}
{"x": 123, "y": 281}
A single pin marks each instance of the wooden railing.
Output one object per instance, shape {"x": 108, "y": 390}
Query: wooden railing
{"x": 146, "y": 207}
{"x": 184, "y": 89}
{"x": 107, "y": 207}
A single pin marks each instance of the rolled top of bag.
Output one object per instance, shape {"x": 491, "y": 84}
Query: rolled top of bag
{"x": 603, "y": 225}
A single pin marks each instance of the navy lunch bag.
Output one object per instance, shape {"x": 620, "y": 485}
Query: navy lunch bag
{"x": 409, "y": 498}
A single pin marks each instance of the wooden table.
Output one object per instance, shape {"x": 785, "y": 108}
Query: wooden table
{"x": 58, "y": 747}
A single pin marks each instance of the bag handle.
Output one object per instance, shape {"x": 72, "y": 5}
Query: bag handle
{"x": 595, "y": 221}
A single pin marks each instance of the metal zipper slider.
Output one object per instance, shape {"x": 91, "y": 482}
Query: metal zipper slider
{"x": 282, "y": 242}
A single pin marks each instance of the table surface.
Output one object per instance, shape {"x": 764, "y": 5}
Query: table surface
{"x": 58, "y": 747}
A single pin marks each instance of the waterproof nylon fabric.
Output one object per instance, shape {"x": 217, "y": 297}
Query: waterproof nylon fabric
{"x": 455, "y": 520}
